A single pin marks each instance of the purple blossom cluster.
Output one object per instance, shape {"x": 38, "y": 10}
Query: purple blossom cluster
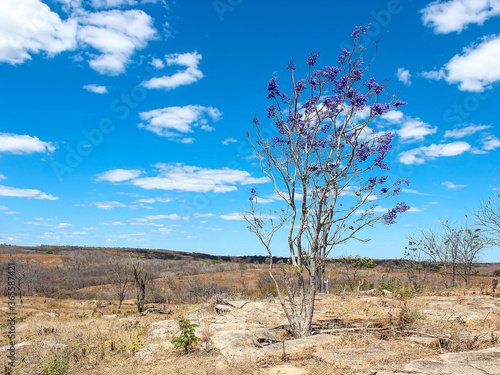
{"x": 379, "y": 108}
{"x": 273, "y": 89}
{"x": 373, "y": 86}
{"x": 313, "y": 57}
{"x": 384, "y": 145}
{"x": 344, "y": 54}
{"x": 253, "y": 194}
{"x": 300, "y": 86}
{"x": 330, "y": 73}
{"x": 357, "y": 99}
{"x": 360, "y": 30}
{"x": 271, "y": 111}
{"x": 390, "y": 217}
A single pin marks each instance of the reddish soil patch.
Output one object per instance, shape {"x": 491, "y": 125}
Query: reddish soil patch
{"x": 44, "y": 260}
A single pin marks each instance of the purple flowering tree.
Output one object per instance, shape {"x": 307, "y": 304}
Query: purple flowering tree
{"x": 327, "y": 166}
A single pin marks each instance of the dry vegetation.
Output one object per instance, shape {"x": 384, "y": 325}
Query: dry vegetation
{"x": 70, "y": 322}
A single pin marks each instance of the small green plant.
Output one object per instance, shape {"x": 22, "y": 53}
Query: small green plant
{"x": 49, "y": 252}
{"x": 58, "y": 364}
{"x": 393, "y": 285}
{"x": 136, "y": 343}
{"x": 187, "y": 337}
{"x": 131, "y": 326}
{"x": 215, "y": 261}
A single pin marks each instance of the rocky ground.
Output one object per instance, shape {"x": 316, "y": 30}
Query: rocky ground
{"x": 254, "y": 330}
{"x": 354, "y": 334}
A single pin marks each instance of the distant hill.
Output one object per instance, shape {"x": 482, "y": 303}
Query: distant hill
{"x": 144, "y": 253}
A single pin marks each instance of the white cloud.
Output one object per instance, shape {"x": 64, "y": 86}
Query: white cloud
{"x": 197, "y": 215}
{"x": 415, "y": 130}
{"x": 108, "y": 4}
{"x": 404, "y": 76}
{"x": 434, "y": 74}
{"x": 227, "y": 141}
{"x": 183, "y": 77}
{"x": 162, "y": 230}
{"x": 455, "y": 15}
{"x": 30, "y": 27}
{"x": 376, "y": 209}
{"x": 64, "y": 225}
{"x": 146, "y": 200}
{"x": 451, "y": 185}
{"x": 173, "y": 217}
{"x": 157, "y": 63}
{"x": 195, "y": 179}
{"x": 118, "y": 175}
{"x": 392, "y": 116}
{"x": 465, "y": 131}
{"x": 116, "y": 35}
{"x": 164, "y": 200}
{"x": 490, "y": 142}
{"x": 421, "y": 154}
{"x": 475, "y": 69}
{"x": 173, "y": 122}
{"x": 2, "y": 177}
{"x": 415, "y": 209}
{"x": 232, "y": 216}
{"x": 7, "y": 191}
{"x": 96, "y": 89}
{"x": 23, "y": 144}
{"x": 3, "y": 208}
{"x": 108, "y": 205}
{"x": 413, "y": 191}
{"x": 38, "y": 223}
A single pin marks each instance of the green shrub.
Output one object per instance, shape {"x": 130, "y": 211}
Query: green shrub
{"x": 215, "y": 261}
{"x": 187, "y": 337}
{"x": 58, "y": 364}
{"x": 392, "y": 285}
{"x": 49, "y": 252}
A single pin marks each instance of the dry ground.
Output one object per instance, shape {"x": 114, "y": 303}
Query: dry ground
{"x": 101, "y": 341}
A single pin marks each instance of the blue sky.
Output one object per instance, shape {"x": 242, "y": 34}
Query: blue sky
{"x": 123, "y": 121}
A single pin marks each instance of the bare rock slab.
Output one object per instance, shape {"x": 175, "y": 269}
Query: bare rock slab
{"x": 478, "y": 362}
{"x": 285, "y": 370}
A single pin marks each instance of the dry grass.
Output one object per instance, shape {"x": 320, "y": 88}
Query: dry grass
{"x": 102, "y": 340}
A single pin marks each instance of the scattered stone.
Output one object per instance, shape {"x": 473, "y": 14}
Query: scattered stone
{"x": 431, "y": 342}
{"x": 153, "y": 310}
{"x": 164, "y": 328}
{"x": 370, "y": 292}
{"x": 478, "y": 362}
